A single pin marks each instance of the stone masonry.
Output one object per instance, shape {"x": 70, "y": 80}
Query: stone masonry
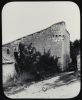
{"x": 56, "y": 38}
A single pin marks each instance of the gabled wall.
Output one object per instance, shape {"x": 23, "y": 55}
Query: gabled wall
{"x": 56, "y": 38}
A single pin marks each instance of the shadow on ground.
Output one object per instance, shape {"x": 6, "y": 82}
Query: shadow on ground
{"x": 65, "y": 78}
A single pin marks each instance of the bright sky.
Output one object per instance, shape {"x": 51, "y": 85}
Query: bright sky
{"x": 23, "y": 18}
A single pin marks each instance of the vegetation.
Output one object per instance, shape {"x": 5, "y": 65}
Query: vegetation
{"x": 29, "y": 61}
{"x": 74, "y": 51}
{"x": 32, "y": 66}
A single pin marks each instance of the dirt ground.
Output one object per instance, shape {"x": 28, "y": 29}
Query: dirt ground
{"x": 65, "y": 85}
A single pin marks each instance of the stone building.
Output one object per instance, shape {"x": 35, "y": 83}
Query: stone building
{"x": 56, "y": 38}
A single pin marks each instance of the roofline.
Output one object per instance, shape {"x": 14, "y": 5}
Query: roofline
{"x": 34, "y": 33}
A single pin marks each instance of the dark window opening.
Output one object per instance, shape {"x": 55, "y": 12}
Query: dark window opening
{"x": 53, "y": 35}
{"x": 8, "y": 52}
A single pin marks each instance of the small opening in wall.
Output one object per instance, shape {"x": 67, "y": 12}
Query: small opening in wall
{"x": 8, "y": 51}
{"x": 53, "y": 35}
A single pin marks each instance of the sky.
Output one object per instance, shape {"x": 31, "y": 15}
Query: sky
{"x": 23, "y": 18}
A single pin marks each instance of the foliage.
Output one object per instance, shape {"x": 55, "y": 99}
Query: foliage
{"x": 26, "y": 58}
{"x": 74, "y": 48}
{"x": 47, "y": 64}
{"x": 29, "y": 60}
{"x": 74, "y": 51}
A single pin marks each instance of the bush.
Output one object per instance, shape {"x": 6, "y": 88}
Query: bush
{"x": 74, "y": 51}
{"x": 47, "y": 65}
{"x": 26, "y": 58}
{"x": 71, "y": 67}
{"x": 29, "y": 60}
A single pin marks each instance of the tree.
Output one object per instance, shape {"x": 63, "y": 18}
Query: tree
{"x": 30, "y": 60}
{"x": 74, "y": 50}
{"x": 26, "y": 58}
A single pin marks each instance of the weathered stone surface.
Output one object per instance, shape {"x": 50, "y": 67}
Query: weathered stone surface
{"x": 56, "y": 38}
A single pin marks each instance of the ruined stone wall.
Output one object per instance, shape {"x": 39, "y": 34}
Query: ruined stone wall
{"x": 55, "y": 38}
{"x": 66, "y": 55}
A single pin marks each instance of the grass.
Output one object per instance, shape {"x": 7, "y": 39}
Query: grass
{"x": 17, "y": 81}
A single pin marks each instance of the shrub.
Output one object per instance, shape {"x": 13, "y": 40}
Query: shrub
{"x": 26, "y": 58}
{"x": 47, "y": 65}
{"x": 29, "y": 60}
{"x": 74, "y": 51}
